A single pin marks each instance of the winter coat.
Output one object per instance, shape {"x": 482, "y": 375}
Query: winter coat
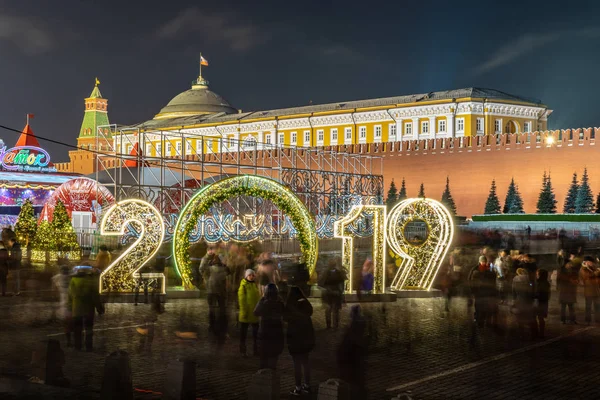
{"x": 4, "y": 261}
{"x": 589, "y": 277}
{"x": 248, "y": 298}
{"x": 15, "y": 256}
{"x": 333, "y": 282}
{"x": 367, "y": 282}
{"x": 270, "y": 329}
{"x": 84, "y": 298}
{"x": 567, "y": 285}
{"x": 352, "y": 356}
{"x": 300, "y": 332}
{"x": 103, "y": 260}
{"x": 215, "y": 275}
{"x": 542, "y": 295}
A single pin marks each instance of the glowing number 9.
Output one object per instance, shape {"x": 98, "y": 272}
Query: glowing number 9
{"x": 118, "y": 276}
{"x": 339, "y": 228}
{"x": 421, "y": 257}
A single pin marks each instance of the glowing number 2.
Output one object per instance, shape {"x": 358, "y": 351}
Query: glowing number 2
{"x": 339, "y": 228}
{"x": 420, "y": 262}
{"x": 119, "y": 275}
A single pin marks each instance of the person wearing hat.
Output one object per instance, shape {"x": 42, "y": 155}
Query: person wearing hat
{"x": 84, "y": 300}
{"x": 588, "y": 275}
{"x": 248, "y": 297}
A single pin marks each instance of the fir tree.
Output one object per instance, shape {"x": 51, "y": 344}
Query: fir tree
{"x": 422, "y": 191}
{"x": 584, "y": 202}
{"x": 510, "y": 195}
{"x": 66, "y": 239}
{"x": 492, "y": 205}
{"x": 44, "y": 242}
{"x": 569, "y": 207}
{"x": 402, "y": 195}
{"x": 392, "y": 196}
{"x": 447, "y": 199}
{"x": 547, "y": 201}
{"x": 598, "y": 204}
{"x": 516, "y": 207}
{"x": 26, "y": 225}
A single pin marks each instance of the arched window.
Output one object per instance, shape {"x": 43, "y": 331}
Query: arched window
{"x": 250, "y": 142}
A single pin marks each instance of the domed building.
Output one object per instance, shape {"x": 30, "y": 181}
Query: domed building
{"x": 198, "y": 100}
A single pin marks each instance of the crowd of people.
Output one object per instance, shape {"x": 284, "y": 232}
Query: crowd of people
{"x": 509, "y": 278}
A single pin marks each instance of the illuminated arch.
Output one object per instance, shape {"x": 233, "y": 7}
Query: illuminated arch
{"x": 245, "y": 185}
{"x": 420, "y": 262}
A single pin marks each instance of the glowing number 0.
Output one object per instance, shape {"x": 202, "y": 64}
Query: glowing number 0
{"x": 118, "y": 276}
{"x": 420, "y": 262}
{"x": 379, "y": 254}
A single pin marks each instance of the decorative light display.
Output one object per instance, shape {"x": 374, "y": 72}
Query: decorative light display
{"x": 245, "y": 185}
{"x": 420, "y": 261}
{"x": 147, "y": 220}
{"x": 340, "y": 229}
{"x": 26, "y": 158}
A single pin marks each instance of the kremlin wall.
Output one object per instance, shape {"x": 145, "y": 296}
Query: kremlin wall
{"x": 419, "y": 138}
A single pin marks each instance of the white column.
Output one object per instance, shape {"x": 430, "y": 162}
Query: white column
{"x": 399, "y": 132}
{"x": 432, "y": 127}
{"x": 236, "y": 144}
{"x": 260, "y": 140}
{"x": 415, "y": 127}
{"x": 450, "y": 124}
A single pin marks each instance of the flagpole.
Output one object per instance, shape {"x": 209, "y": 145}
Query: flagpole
{"x": 27, "y": 119}
{"x": 200, "y": 76}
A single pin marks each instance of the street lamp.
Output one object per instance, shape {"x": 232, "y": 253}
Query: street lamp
{"x": 550, "y": 140}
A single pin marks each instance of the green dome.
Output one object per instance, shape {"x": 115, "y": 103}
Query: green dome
{"x": 195, "y": 101}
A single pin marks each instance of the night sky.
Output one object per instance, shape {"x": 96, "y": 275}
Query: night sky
{"x": 273, "y": 54}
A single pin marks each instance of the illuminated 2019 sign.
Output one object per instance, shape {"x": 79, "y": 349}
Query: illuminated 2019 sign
{"x": 26, "y": 159}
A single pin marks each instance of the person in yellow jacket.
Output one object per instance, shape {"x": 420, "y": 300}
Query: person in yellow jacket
{"x": 248, "y": 297}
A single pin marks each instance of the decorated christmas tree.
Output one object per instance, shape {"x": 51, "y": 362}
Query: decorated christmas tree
{"x": 44, "y": 243}
{"x": 422, "y": 191}
{"x": 492, "y": 205}
{"x": 66, "y": 239}
{"x": 392, "y": 196}
{"x": 402, "y": 195}
{"x": 26, "y": 225}
{"x": 584, "y": 202}
{"x": 546, "y": 201}
{"x": 569, "y": 207}
{"x": 447, "y": 199}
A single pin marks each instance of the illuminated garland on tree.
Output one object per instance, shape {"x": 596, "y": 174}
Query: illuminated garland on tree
{"x": 44, "y": 243}
{"x": 247, "y": 185}
{"x": 66, "y": 239}
{"x": 26, "y": 226}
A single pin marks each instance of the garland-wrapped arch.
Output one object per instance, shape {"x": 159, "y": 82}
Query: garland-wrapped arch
{"x": 244, "y": 185}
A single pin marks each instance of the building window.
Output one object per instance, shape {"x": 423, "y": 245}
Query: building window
{"x": 378, "y": 132}
{"x": 425, "y": 127}
{"x": 129, "y": 149}
{"x": 392, "y": 132}
{"x": 460, "y": 125}
{"x": 479, "y": 125}
{"x": 209, "y": 145}
{"x": 148, "y": 149}
{"x": 168, "y": 149}
{"x": 268, "y": 138}
{"x": 320, "y": 136}
{"x": 362, "y": 132}
{"x": 497, "y": 126}
{"x": 188, "y": 147}
{"x": 250, "y": 142}
{"x": 408, "y": 128}
{"x": 527, "y": 127}
{"x": 179, "y": 147}
{"x": 348, "y": 134}
{"x": 442, "y": 126}
{"x": 307, "y": 138}
{"x": 281, "y": 138}
{"x": 199, "y": 147}
{"x": 334, "y": 137}
{"x": 159, "y": 149}
{"x": 294, "y": 137}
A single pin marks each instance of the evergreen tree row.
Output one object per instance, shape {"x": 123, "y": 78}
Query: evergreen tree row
{"x": 393, "y": 196}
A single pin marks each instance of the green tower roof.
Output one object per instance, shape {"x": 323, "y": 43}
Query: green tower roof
{"x": 93, "y": 117}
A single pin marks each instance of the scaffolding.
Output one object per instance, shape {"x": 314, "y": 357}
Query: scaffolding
{"x": 167, "y": 167}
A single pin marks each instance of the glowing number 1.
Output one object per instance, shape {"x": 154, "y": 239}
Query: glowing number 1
{"x": 118, "y": 276}
{"x": 379, "y": 239}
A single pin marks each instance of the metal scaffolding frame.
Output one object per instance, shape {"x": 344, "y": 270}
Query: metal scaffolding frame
{"x": 327, "y": 180}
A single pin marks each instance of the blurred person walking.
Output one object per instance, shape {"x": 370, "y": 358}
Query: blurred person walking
{"x": 300, "y": 336}
{"x": 61, "y": 282}
{"x": 84, "y": 300}
{"x": 352, "y": 354}
{"x": 14, "y": 264}
{"x": 215, "y": 275}
{"x": 248, "y": 298}
{"x": 332, "y": 281}
{"x": 542, "y": 296}
{"x": 103, "y": 258}
{"x": 567, "y": 281}
{"x": 3, "y": 268}
{"x": 588, "y": 274}
{"x": 483, "y": 288}
{"x": 523, "y": 296}
{"x": 270, "y": 331}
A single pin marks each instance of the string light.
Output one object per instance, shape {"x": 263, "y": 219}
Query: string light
{"x": 379, "y": 240}
{"x": 119, "y": 275}
{"x": 420, "y": 262}
{"x": 244, "y": 185}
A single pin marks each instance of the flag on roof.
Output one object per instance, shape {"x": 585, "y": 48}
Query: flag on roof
{"x": 203, "y": 61}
